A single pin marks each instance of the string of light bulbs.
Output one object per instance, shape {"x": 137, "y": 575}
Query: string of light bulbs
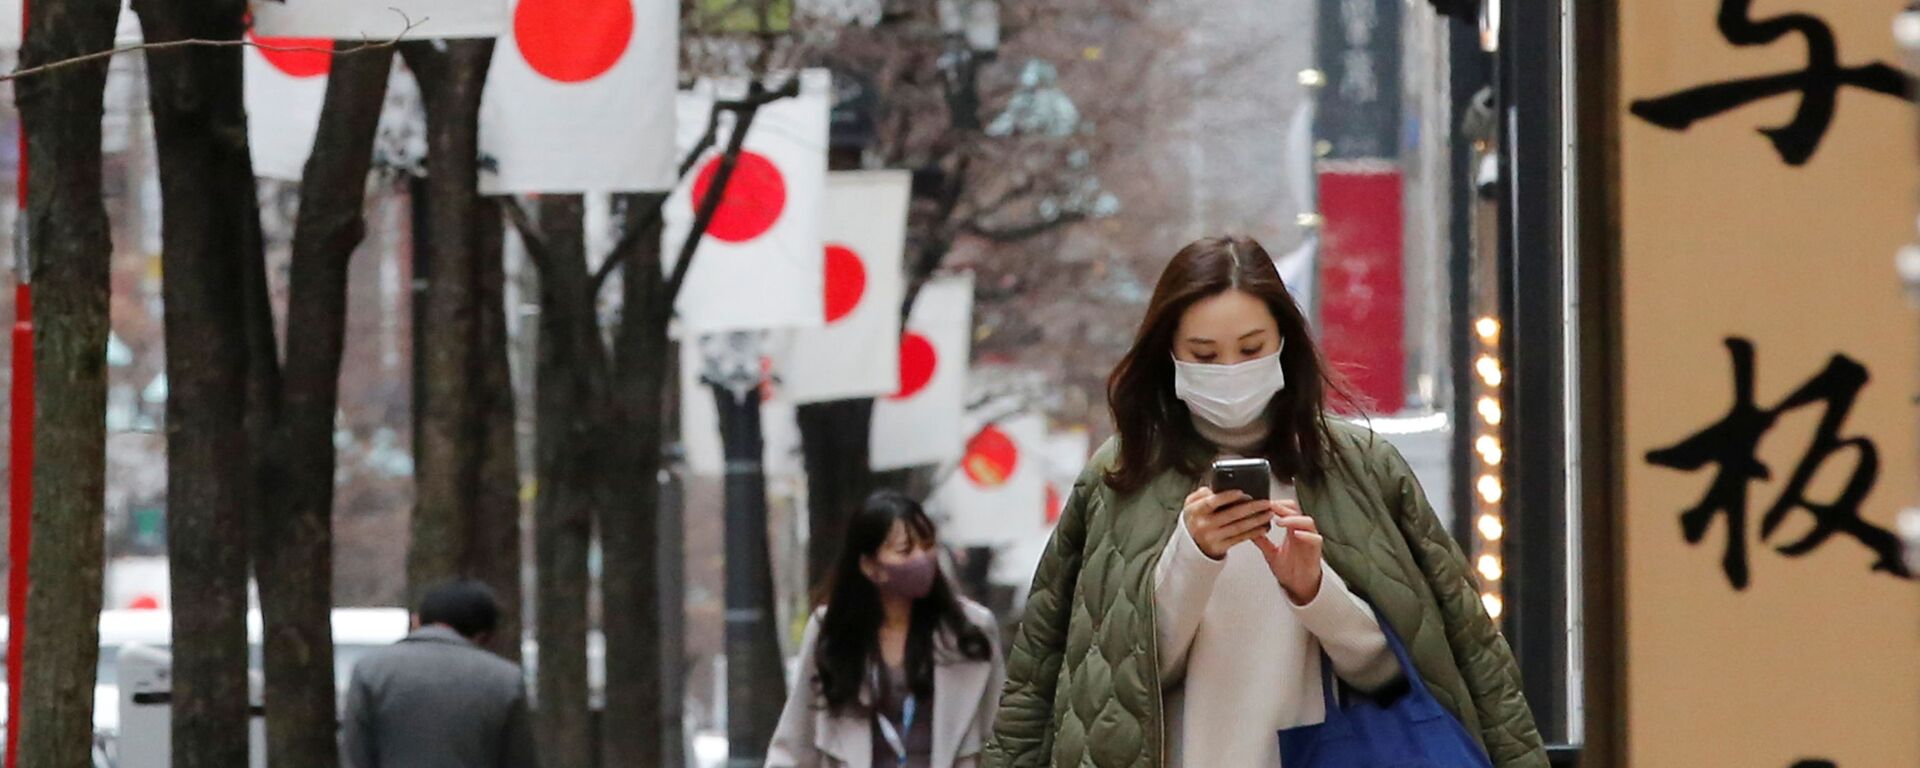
{"x": 1490, "y": 526}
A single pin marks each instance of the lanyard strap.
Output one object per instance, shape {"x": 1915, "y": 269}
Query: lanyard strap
{"x": 896, "y": 737}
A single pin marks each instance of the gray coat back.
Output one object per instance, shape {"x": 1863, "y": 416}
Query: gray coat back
{"x": 435, "y": 700}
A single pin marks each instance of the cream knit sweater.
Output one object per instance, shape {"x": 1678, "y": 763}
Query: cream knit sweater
{"x": 1238, "y": 659}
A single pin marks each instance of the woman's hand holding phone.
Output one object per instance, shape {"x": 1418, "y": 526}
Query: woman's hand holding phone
{"x": 1218, "y": 521}
{"x": 1295, "y": 561}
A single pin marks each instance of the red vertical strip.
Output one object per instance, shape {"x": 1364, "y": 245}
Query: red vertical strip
{"x": 20, "y": 460}
{"x": 20, "y": 524}
{"x": 1362, "y": 293}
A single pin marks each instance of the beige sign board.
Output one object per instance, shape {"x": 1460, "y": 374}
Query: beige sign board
{"x": 1787, "y": 246}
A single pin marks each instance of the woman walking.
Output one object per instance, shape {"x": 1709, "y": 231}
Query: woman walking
{"x": 895, "y": 668}
{"x": 1172, "y": 625}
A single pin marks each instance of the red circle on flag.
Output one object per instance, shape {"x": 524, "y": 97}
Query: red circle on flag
{"x": 991, "y": 458}
{"x": 1054, "y": 504}
{"x": 752, "y": 202}
{"x": 144, "y": 603}
{"x": 846, "y": 281}
{"x": 573, "y": 40}
{"x": 315, "y": 62}
{"x": 918, "y": 359}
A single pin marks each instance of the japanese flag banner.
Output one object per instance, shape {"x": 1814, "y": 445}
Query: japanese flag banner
{"x": 856, "y": 354}
{"x": 995, "y": 497}
{"x": 700, "y": 423}
{"x": 1065, "y": 455}
{"x": 580, "y": 98}
{"x": 761, "y": 264}
{"x": 920, "y": 423}
{"x": 285, "y": 87}
{"x": 381, "y": 20}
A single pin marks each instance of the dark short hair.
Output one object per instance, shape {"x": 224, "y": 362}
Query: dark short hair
{"x": 467, "y": 606}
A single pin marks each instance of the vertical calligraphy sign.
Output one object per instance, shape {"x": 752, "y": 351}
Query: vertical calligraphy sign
{"x": 1357, "y": 119}
{"x": 1766, "y": 168}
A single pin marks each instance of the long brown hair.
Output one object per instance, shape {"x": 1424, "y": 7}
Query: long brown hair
{"x": 1156, "y": 430}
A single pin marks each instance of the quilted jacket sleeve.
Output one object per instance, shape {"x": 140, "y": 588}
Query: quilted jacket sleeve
{"x": 1023, "y": 732}
{"x": 1485, "y": 659}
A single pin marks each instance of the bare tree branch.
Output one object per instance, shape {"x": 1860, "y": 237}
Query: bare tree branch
{"x": 536, "y": 244}
{"x": 756, "y": 98}
{"x": 365, "y": 45}
{"x": 729, "y": 159}
{"x": 980, "y": 211}
{"x": 627, "y": 239}
{"x": 1020, "y": 232}
{"x": 706, "y": 143}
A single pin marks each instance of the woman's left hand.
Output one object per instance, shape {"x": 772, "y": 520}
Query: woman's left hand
{"x": 1295, "y": 561}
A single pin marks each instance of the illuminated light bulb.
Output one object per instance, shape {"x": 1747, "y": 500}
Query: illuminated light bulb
{"x": 1494, "y": 606}
{"x": 1491, "y": 529}
{"x": 1489, "y": 450}
{"x": 1488, "y": 328}
{"x": 1490, "y": 568}
{"x": 1489, "y": 370}
{"x": 1490, "y": 489}
{"x": 1490, "y": 410}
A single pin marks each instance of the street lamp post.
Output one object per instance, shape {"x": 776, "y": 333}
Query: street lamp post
{"x": 756, "y": 678}
{"x": 672, "y": 595}
{"x": 972, "y": 31}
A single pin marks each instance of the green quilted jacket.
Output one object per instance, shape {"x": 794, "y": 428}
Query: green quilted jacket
{"x": 1083, "y": 674}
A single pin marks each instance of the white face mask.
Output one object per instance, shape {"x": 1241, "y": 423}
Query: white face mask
{"x": 1229, "y": 396}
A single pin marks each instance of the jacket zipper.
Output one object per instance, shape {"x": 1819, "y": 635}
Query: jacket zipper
{"x": 1153, "y": 655}
{"x": 1159, "y": 692}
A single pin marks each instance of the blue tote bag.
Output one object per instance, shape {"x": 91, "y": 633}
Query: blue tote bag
{"x": 1411, "y": 731}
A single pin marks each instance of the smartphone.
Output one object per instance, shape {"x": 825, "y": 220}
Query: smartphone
{"x": 1254, "y": 477}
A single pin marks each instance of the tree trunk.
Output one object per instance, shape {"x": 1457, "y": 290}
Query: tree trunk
{"x": 451, "y": 76}
{"x": 493, "y": 548}
{"x": 210, "y": 235}
{"x": 650, "y": 724}
{"x": 570, "y": 430}
{"x": 293, "y": 535}
{"x": 70, "y": 255}
{"x": 834, "y": 442}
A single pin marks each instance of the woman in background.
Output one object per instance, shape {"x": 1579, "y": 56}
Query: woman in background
{"x": 895, "y": 668}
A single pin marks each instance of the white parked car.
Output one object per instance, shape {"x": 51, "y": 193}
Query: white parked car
{"x": 356, "y": 631}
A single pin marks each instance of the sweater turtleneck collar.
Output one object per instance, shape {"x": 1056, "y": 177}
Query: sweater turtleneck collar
{"x": 1247, "y": 440}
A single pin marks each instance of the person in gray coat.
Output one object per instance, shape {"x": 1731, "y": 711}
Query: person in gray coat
{"x": 438, "y": 699}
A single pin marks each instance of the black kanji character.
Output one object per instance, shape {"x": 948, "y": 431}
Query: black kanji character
{"x": 1733, "y": 445}
{"x": 1818, "y": 84}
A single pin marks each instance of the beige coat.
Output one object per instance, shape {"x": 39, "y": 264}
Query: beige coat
{"x": 965, "y": 695}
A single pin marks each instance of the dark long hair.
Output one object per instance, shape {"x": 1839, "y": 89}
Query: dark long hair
{"x": 1156, "y": 429}
{"x": 848, "y": 647}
